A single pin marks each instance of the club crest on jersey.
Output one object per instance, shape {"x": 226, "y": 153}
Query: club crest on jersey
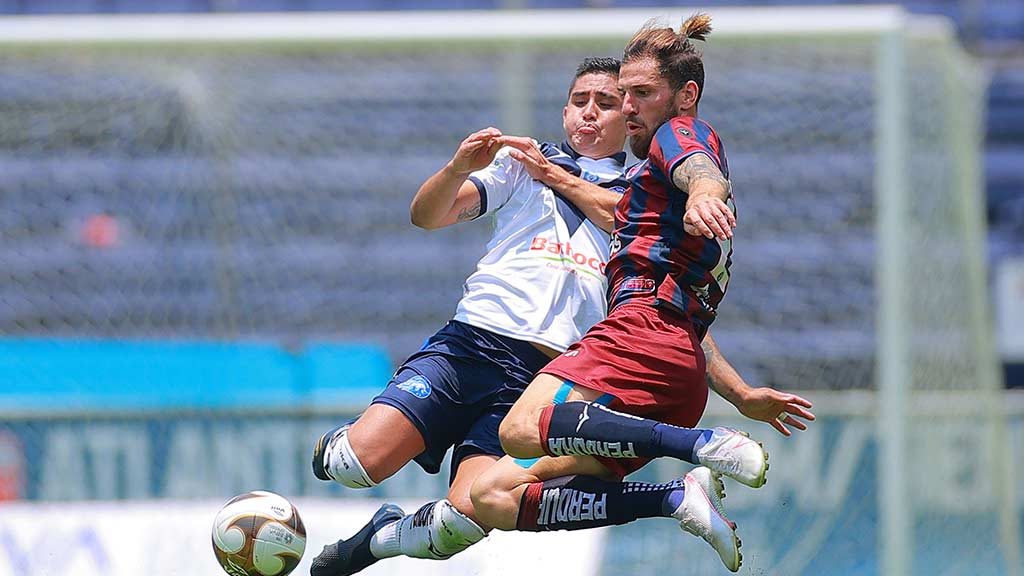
{"x": 637, "y": 285}
{"x": 589, "y": 177}
{"x": 418, "y": 386}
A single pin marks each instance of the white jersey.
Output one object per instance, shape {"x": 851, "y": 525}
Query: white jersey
{"x": 542, "y": 279}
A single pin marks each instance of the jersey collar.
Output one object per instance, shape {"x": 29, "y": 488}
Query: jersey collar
{"x": 619, "y": 159}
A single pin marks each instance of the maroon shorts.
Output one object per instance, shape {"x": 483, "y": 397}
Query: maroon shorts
{"x": 649, "y": 359}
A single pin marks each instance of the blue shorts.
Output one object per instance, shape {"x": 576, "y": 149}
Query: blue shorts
{"x": 458, "y": 388}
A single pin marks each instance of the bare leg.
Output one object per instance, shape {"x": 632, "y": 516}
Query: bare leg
{"x": 385, "y": 441}
{"x": 499, "y": 490}
{"x": 368, "y": 451}
{"x": 520, "y": 430}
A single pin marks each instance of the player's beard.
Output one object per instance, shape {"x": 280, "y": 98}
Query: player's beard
{"x": 640, "y": 143}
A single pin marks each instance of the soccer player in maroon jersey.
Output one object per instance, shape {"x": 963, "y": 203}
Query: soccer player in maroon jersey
{"x": 634, "y": 387}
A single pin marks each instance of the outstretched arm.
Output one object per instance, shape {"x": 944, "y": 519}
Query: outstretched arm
{"x": 764, "y": 404}
{"x": 597, "y": 203}
{"x": 707, "y": 213}
{"x": 448, "y": 197}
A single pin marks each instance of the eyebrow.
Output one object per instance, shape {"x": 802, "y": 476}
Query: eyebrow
{"x": 600, "y": 94}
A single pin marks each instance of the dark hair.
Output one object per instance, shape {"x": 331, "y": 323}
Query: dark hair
{"x": 592, "y": 65}
{"x": 678, "y": 59}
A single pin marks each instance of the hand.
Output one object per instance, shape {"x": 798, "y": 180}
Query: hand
{"x": 776, "y": 408}
{"x": 708, "y": 216}
{"x": 476, "y": 151}
{"x": 526, "y": 152}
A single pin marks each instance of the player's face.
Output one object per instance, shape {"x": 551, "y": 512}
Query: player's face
{"x": 593, "y": 116}
{"x": 647, "y": 102}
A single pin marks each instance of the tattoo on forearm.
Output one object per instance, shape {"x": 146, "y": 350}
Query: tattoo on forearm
{"x": 699, "y": 167}
{"x": 468, "y": 213}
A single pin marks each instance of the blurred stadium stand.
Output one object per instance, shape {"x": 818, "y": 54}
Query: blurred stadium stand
{"x": 142, "y": 149}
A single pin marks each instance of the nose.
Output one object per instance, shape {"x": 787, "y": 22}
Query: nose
{"x": 590, "y": 111}
{"x": 628, "y": 107}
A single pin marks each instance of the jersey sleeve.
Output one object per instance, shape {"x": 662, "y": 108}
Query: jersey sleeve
{"x": 497, "y": 182}
{"x": 682, "y": 137}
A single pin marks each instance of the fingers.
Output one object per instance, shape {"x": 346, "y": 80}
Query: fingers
{"x": 694, "y": 219}
{"x": 794, "y": 423}
{"x": 800, "y": 411}
{"x": 527, "y": 153}
{"x": 711, "y": 218}
{"x": 489, "y": 132}
{"x": 725, "y": 220}
{"x": 521, "y": 156}
{"x": 476, "y": 150}
{"x": 519, "y": 142}
{"x": 718, "y": 217}
{"x": 479, "y": 138}
{"x": 794, "y": 399}
{"x": 782, "y": 420}
{"x": 778, "y": 426}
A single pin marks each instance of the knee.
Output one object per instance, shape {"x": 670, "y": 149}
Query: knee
{"x": 520, "y": 433}
{"x": 345, "y": 461}
{"x": 371, "y": 461}
{"x": 463, "y": 502}
{"x": 494, "y": 504}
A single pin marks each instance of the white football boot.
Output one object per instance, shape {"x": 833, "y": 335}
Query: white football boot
{"x": 732, "y": 453}
{"x": 701, "y": 514}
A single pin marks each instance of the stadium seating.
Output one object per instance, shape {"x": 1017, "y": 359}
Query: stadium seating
{"x": 290, "y": 215}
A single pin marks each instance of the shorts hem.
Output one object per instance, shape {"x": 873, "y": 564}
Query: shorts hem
{"x": 429, "y": 468}
{"x": 576, "y": 381}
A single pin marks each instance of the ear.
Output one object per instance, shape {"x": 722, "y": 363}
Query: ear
{"x": 686, "y": 99}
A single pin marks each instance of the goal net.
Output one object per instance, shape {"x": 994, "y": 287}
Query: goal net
{"x": 247, "y": 178}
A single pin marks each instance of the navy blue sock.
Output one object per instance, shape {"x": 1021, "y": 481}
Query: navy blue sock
{"x": 580, "y": 502}
{"x": 580, "y": 428}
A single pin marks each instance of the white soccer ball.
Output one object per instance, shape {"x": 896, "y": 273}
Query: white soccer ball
{"x": 258, "y": 534}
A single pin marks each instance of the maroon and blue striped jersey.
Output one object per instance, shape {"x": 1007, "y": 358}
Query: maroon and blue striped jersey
{"x": 653, "y": 259}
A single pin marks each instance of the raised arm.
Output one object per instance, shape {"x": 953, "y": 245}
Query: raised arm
{"x": 448, "y": 196}
{"x": 597, "y": 203}
{"x": 764, "y": 404}
{"x": 707, "y": 213}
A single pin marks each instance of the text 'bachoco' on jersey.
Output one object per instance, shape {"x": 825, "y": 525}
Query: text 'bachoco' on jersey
{"x": 542, "y": 278}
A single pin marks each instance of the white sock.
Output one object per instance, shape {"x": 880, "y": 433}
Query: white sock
{"x": 436, "y": 531}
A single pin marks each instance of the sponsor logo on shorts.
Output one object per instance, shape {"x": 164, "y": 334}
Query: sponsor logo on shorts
{"x": 572, "y": 353}
{"x": 560, "y": 505}
{"x": 637, "y": 285}
{"x": 418, "y": 386}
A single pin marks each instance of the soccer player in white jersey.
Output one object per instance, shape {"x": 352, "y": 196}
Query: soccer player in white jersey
{"x": 537, "y": 289}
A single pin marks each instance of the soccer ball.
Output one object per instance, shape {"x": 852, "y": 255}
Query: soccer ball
{"x": 258, "y": 534}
